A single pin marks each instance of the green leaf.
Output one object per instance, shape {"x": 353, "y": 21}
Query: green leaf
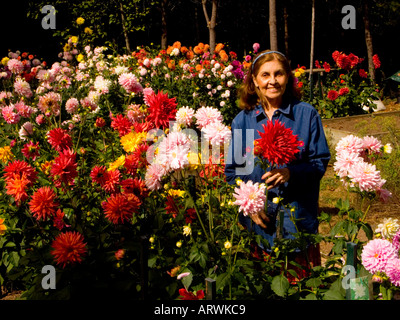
{"x": 333, "y": 294}
{"x": 151, "y": 262}
{"x": 280, "y": 285}
{"x": 222, "y": 280}
{"x": 314, "y": 282}
{"x": 187, "y": 281}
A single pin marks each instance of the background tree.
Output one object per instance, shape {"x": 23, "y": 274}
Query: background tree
{"x": 368, "y": 39}
{"x": 312, "y": 38}
{"x": 109, "y": 23}
{"x": 211, "y": 22}
{"x": 273, "y": 33}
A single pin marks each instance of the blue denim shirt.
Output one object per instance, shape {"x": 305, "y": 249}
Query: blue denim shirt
{"x": 301, "y": 192}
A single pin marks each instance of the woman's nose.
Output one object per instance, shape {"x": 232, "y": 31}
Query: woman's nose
{"x": 272, "y": 80}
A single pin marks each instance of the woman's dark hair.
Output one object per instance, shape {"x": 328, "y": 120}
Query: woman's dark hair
{"x": 250, "y": 95}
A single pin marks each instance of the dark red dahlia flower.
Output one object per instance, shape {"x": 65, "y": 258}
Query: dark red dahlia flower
{"x": 332, "y": 95}
{"x": 277, "y": 144}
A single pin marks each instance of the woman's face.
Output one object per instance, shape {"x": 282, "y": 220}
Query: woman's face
{"x": 271, "y": 80}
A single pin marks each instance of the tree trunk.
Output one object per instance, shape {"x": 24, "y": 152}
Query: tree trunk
{"x": 312, "y": 39}
{"x": 211, "y": 23}
{"x": 368, "y": 40}
{"x": 273, "y": 34}
{"x": 121, "y": 9}
{"x": 285, "y": 17}
{"x": 164, "y": 29}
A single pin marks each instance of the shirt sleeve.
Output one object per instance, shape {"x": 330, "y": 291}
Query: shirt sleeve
{"x": 230, "y": 165}
{"x": 314, "y": 166}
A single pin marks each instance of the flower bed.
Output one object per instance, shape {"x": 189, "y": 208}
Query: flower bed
{"x": 124, "y": 204}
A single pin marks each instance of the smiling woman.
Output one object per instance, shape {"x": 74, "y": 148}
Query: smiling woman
{"x": 269, "y": 98}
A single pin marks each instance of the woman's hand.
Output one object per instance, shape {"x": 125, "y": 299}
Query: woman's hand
{"x": 260, "y": 218}
{"x": 276, "y": 177}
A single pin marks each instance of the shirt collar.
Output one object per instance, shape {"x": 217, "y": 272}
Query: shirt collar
{"x": 285, "y": 108}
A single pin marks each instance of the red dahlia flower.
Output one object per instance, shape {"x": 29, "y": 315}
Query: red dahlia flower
{"x": 362, "y": 73}
{"x": 31, "y": 150}
{"x": 136, "y": 186}
{"x": 161, "y": 109}
{"x": 327, "y": 67}
{"x": 333, "y": 95}
{"x": 376, "y": 61}
{"x": 20, "y": 168}
{"x": 63, "y": 169}
{"x": 343, "y": 91}
{"x": 43, "y": 204}
{"x": 344, "y": 62}
{"x": 69, "y": 248}
{"x": 59, "y": 139}
{"x": 277, "y": 144}
{"x": 120, "y": 207}
{"x": 186, "y": 295}
{"x": 137, "y": 159}
{"x": 122, "y": 124}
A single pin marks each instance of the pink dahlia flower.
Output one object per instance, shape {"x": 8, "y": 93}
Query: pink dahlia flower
{"x": 22, "y": 88}
{"x": 372, "y": 144}
{"x": 351, "y": 144}
{"x": 130, "y": 83}
{"x": 184, "y": 116}
{"x": 217, "y": 133}
{"x": 72, "y": 105}
{"x": 26, "y": 130}
{"x": 376, "y": 254}
{"x": 256, "y": 47}
{"x": 9, "y": 115}
{"x": 15, "y": 66}
{"x": 23, "y": 109}
{"x": 396, "y": 241}
{"x": 207, "y": 115}
{"x": 154, "y": 175}
{"x": 49, "y": 104}
{"x": 344, "y": 161}
{"x": 147, "y": 92}
{"x": 365, "y": 176}
{"x": 393, "y": 271}
{"x": 178, "y": 157}
{"x": 250, "y": 197}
